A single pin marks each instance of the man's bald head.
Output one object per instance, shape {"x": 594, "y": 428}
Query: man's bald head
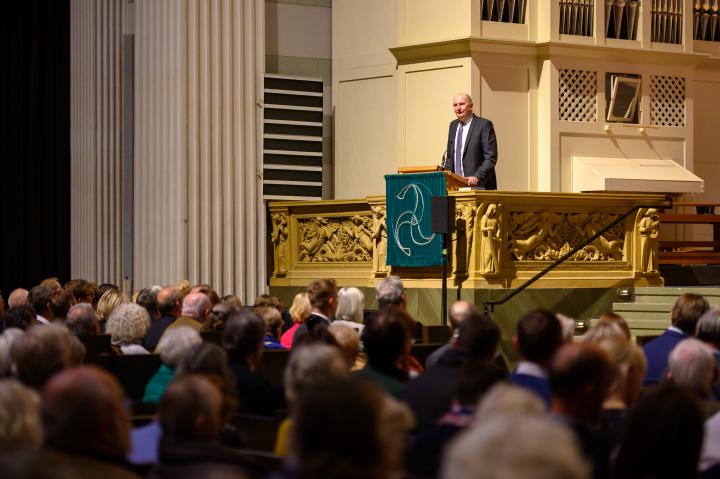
{"x": 17, "y": 298}
{"x": 460, "y": 311}
{"x": 196, "y": 306}
{"x": 462, "y": 106}
{"x": 83, "y": 413}
{"x": 167, "y": 301}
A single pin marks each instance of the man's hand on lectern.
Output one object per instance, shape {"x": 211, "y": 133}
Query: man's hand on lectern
{"x": 471, "y": 180}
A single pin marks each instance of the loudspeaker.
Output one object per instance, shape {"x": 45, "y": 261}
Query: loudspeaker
{"x": 442, "y": 214}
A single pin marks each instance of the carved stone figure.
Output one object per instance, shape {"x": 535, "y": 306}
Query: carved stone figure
{"x": 489, "y": 241}
{"x": 335, "y": 239}
{"x": 360, "y": 237}
{"x": 465, "y": 228}
{"x": 279, "y": 239}
{"x": 649, "y": 229}
{"x": 379, "y": 238}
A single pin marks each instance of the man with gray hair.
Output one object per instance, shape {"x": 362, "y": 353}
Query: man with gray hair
{"x": 82, "y": 319}
{"x": 195, "y": 309}
{"x": 391, "y": 292}
{"x": 18, "y": 297}
{"x": 459, "y": 311}
{"x": 692, "y": 366}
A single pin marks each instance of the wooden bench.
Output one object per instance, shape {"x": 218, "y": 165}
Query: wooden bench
{"x": 686, "y": 251}
{"x": 133, "y": 371}
{"x": 95, "y": 346}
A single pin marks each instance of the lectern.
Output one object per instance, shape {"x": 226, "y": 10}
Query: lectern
{"x": 453, "y": 182}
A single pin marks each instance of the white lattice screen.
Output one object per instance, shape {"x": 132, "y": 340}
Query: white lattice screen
{"x": 577, "y": 93}
{"x": 667, "y": 101}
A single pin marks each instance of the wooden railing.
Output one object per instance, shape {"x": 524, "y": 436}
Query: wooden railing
{"x": 692, "y": 251}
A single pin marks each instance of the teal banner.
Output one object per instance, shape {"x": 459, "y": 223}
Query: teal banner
{"x": 410, "y": 242}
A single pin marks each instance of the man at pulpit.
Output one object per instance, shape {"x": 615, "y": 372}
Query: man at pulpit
{"x": 472, "y": 146}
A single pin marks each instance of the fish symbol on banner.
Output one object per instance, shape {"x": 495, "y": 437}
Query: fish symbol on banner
{"x": 413, "y": 218}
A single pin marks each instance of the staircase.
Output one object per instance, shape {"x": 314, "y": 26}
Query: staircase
{"x": 649, "y": 314}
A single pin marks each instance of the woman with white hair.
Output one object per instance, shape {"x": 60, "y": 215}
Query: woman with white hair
{"x": 172, "y": 348}
{"x": 127, "y": 325}
{"x": 351, "y": 303}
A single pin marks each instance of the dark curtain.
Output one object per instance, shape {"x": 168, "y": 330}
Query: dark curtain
{"x": 34, "y": 142}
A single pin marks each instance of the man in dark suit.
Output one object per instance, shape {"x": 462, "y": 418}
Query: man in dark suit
{"x": 472, "y": 146}
{"x": 322, "y": 294}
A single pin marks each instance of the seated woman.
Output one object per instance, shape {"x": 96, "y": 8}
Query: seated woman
{"x": 350, "y": 308}
{"x": 127, "y": 325}
{"x": 172, "y": 348}
{"x": 299, "y": 311}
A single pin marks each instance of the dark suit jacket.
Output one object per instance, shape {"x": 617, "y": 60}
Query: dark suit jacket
{"x": 657, "y": 352}
{"x": 479, "y": 154}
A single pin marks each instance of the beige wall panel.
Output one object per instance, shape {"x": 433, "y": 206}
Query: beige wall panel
{"x": 428, "y": 111}
{"x": 95, "y": 139}
{"x": 298, "y": 30}
{"x": 505, "y": 100}
{"x": 360, "y": 28}
{"x": 434, "y": 20}
{"x": 365, "y": 132}
{"x": 616, "y": 145}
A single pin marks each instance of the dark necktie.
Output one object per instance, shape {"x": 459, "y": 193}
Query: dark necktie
{"x": 458, "y": 149}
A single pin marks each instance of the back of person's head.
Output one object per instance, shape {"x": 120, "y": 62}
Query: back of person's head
{"x": 459, "y": 312}
{"x": 539, "y": 335}
{"x": 336, "y": 431}
{"x": 580, "y": 377}
{"x": 147, "y": 298}
{"x": 128, "y": 323}
{"x": 351, "y": 304}
{"x": 84, "y": 291}
{"x": 604, "y": 330}
{"x": 7, "y": 341}
{"x": 663, "y": 436}
{"x": 211, "y": 361}
{"x": 478, "y": 337}
{"x": 692, "y": 365}
{"x": 618, "y": 320}
{"x": 100, "y": 290}
{"x": 349, "y": 341}
{"x": 390, "y": 292}
{"x": 300, "y": 308}
{"x": 218, "y": 315}
{"x": 268, "y": 300}
{"x": 310, "y": 364}
{"x": 18, "y": 297}
{"x": 61, "y": 303}
{"x": 191, "y": 409}
{"x": 272, "y": 318}
{"x": 244, "y": 333}
{"x": 322, "y": 294}
{"x": 708, "y": 327}
{"x": 175, "y": 343}
{"x": 167, "y": 300}
{"x": 109, "y": 301}
{"x": 208, "y": 291}
{"x": 196, "y": 306}
{"x": 232, "y": 300}
{"x": 687, "y": 311}
{"x": 386, "y": 338}
{"x": 18, "y": 317}
{"x": 83, "y": 412}
{"x": 487, "y": 452}
{"x": 39, "y": 299}
{"x": 505, "y": 398}
{"x": 82, "y": 320}
{"x": 53, "y": 284}
{"x": 40, "y": 353}
{"x": 628, "y": 362}
{"x": 20, "y": 427}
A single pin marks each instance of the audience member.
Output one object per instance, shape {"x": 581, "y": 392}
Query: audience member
{"x": 348, "y": 340}
{"x": 208, "y": 291}
{"x": 299, "y": 311}
{"x": 539, "y": 335}
{"x": 691, "y": 365}
{"x": 618, "y": 320}
{"x": 39, "y": 299}
{"x": 273, "y": 326}
{"x": 195, "y": 308}
{"x": 708, "y": 331}
{"x": 232, "y": 300}
{"x": 243, "y": 340}
{"x": 127, "y": 325}
{"x": 580, "y": 377}
{"x": 7, "y": 340}
{"x": 18, "y": 297}
{"x": 61, "y": 303}
{"x": 515, "y": 446}
{"x": 218, "y": 315}
{"x": 430, "y": 395}
{"x": 86, "y": 426}
{"x": 391, "y": 292}
{"x": 387, "y": 343}
{"x": 40, "y": 353}
{"x": 84, "y": 291}
{"x": 350, "y": 308}
{"x": 20, "y": 428}
{"x": 684, "y": 317}
{"x": 459, "y": 311}
{"x": 53, "y": 284}
{"x": 172, "y": 348}
{"x": 107, "y": 304}
{"x": 308, "y": 364}
{"x": 20, "y": 317}
{"x": 322, "y": 294}
{"x": 663, "y": 437}
{"x": 147, "y": 298}
{"x": 169, "y": 302}
{"x": 82, "y": 320}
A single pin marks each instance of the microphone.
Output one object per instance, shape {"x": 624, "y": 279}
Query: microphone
{"x": 443, "y": 160}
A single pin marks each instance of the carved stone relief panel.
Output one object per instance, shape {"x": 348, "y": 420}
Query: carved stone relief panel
{"x": 335, "y": 239}
{"x": 279, "y": 238}
{"x": 547, "y": 236}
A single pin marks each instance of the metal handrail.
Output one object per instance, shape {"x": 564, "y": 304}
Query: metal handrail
{"x": 489, "y": 306}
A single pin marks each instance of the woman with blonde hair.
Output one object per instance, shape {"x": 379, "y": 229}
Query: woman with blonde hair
{"x": 299, "y": 311}
{"x": 110, "y": 300}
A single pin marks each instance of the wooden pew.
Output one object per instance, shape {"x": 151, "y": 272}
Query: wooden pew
{"x": 95, "y": 346}
{"x": 133, "y": 371}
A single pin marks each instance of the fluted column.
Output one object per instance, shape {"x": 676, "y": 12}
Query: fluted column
{"x": 95, "y": 117}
